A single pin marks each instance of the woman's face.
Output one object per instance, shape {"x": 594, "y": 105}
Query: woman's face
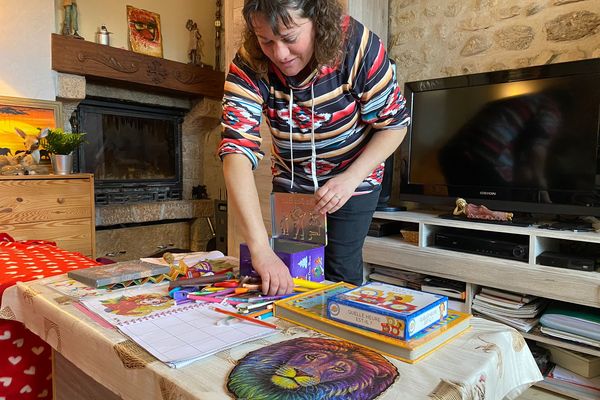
{"x": 292, "y": 49}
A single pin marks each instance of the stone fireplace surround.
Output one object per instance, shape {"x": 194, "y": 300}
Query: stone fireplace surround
{"x": 139, "y": 229}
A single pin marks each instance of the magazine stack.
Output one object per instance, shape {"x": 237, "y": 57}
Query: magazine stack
{"x": 517, "y": 310}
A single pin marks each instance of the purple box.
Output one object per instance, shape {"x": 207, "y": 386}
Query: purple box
{"x": 299, "y": 237}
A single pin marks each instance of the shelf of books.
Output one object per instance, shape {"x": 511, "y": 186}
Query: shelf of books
{"x": 556, "y": 309}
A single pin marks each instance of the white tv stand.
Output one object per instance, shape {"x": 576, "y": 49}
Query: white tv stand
{"x": 580, "y": 287}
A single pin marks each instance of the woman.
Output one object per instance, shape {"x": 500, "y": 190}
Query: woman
{"x": 335, "y": 112}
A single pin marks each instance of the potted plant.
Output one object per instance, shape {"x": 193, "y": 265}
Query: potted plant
{"x": 61, "y": 145}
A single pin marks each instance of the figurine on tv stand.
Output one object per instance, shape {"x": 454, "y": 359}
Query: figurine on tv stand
{"x": 473, "y": 211}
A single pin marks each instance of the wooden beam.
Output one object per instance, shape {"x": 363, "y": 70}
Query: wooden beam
{"x": 101, "y": 62}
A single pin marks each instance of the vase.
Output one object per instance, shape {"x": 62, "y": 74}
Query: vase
{"x": 62, "y": 164}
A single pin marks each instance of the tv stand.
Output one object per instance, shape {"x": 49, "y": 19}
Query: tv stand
{"x": 521, "y": 276}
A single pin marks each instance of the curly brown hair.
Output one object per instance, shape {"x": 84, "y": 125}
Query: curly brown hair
{"x": 326, "y": 16}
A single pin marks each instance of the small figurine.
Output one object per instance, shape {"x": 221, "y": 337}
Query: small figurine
{"x": 70, "y": 25}
{"x": 195, "y": 52}
{"x": 23, "y": 162}
{"x": 480, "y": 212}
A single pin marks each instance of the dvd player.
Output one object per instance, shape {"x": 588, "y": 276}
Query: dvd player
{"x": 477, "y": 242}
{"x": 555, "y": 259}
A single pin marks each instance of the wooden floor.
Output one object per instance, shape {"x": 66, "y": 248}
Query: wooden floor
{"x": 535, "y": 393}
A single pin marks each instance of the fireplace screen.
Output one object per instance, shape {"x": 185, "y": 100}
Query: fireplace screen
{"x": 133, "y": 151}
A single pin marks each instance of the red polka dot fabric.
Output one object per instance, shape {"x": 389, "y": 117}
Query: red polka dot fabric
{"x": 25, "y": 359}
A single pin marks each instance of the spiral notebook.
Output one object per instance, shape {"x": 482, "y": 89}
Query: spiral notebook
{"x": 175, "y": 334}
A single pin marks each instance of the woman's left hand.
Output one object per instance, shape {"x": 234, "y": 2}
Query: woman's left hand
{"x": 335, "y": 193}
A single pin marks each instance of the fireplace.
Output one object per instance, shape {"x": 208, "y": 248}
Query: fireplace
{"x": 133, "y": 150}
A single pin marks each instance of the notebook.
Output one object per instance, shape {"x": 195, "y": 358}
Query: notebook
{"x": 175, "y": 334}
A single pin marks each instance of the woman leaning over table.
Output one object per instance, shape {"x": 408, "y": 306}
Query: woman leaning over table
{"x": 335, "y": 112}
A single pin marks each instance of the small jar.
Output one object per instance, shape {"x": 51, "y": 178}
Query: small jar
{"x": 102, "y": 36}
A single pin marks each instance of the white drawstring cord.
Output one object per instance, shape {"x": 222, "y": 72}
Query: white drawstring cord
{"x": 291, "y": 131}
{"x": 313, "y": 158}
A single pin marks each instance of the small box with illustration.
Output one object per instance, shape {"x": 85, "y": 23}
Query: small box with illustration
{"x": 299, "y": 237}
{"x": 387, "y": 309}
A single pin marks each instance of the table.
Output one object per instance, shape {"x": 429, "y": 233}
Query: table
{"x": 490, "y": 359}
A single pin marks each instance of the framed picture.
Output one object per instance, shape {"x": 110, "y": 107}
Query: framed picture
{"x": 144, "y": 32}
{"x": 26, "y": 115}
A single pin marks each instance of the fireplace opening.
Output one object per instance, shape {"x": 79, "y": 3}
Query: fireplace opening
{"x": 133, "y": 150}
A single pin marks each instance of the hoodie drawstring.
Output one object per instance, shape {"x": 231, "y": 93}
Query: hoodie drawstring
{"x": 291, "y": 131}
{"x": 313, "y": 157}
{"x": 313, "y": 148}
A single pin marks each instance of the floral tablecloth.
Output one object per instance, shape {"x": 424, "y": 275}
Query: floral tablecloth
{"x": 489, "y": 361}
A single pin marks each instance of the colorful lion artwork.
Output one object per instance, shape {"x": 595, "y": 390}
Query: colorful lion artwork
{"x": 311, "y": 368}
{"x": 138, "y": 306}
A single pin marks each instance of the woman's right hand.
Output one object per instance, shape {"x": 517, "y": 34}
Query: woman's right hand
{"x": 274, "y": 274}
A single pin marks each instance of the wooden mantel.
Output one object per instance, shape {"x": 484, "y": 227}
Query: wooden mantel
{"x": 105, "y": 63}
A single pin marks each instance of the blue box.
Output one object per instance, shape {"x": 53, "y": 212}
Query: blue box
{"x": 390, "y": 310}
{"x": 299, "y": 237}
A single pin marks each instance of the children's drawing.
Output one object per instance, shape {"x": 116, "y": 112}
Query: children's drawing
{"x": 311, "y": 368}
{"x": 139, "y": 305}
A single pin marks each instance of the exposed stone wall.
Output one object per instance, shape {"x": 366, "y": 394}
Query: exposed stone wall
{"x": 438, "y": 38}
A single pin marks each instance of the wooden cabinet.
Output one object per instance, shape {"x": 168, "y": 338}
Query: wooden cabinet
{"x": 50, "y": 207}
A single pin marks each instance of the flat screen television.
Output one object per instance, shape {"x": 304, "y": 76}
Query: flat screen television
{"x": 523, "y": 140}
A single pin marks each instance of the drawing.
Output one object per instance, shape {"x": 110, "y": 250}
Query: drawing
{"x": 311, "y": 368}
{"x": 139, "y": 305}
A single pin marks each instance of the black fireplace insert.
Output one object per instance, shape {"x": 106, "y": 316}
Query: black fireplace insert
{"x": 133, "y": 150}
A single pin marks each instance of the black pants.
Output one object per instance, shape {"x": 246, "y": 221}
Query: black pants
{"x": 346, "y": 232}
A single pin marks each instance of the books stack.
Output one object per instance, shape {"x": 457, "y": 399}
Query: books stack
{"x": 571, "y": 322}
{"x": 446, "y": 287}
{"x": 517, "y": 310}
{"x": 565, "y": 381}
{"x": 412, "y": 280}
{"x": 310, "y": 310}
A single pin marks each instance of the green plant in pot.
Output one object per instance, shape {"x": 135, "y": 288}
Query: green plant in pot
{"x": 60, "y": 145}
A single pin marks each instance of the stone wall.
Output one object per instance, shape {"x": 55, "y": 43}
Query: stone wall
{"x": 433, "y": 38}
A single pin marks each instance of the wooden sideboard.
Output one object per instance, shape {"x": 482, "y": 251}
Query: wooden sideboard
{"x": 59, "y": 208}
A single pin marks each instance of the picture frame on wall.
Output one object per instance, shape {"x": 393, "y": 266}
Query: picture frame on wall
{"x": 144, "y": 31}
{"x": 27, "y": 115}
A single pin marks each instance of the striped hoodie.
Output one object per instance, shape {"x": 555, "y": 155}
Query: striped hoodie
{"x": 320, "y": 124}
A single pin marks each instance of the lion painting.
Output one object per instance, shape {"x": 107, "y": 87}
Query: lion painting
{"x": 311, "y": 368}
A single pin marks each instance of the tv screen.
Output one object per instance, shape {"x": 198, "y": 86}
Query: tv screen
{"x": 519, "y": 140}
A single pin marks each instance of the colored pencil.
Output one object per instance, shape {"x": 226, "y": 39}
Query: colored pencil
{"x": 261, "y": 299}
{"x": 308, "y": 284}
{"x": 245, "y": 318}
{"x": 207, "y": 299}
{"x": 265, "y": 315}
{"x": 203, "y": 280}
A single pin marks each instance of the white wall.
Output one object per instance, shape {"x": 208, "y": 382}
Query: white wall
{"x": 25, "y": 59}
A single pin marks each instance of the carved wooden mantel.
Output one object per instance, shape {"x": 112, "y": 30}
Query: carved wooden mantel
{"x": 124, "y": 67}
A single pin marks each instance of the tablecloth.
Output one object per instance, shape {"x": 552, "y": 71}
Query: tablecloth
{"x": 25, "y": 359}
{"x": 490, "y": 360}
